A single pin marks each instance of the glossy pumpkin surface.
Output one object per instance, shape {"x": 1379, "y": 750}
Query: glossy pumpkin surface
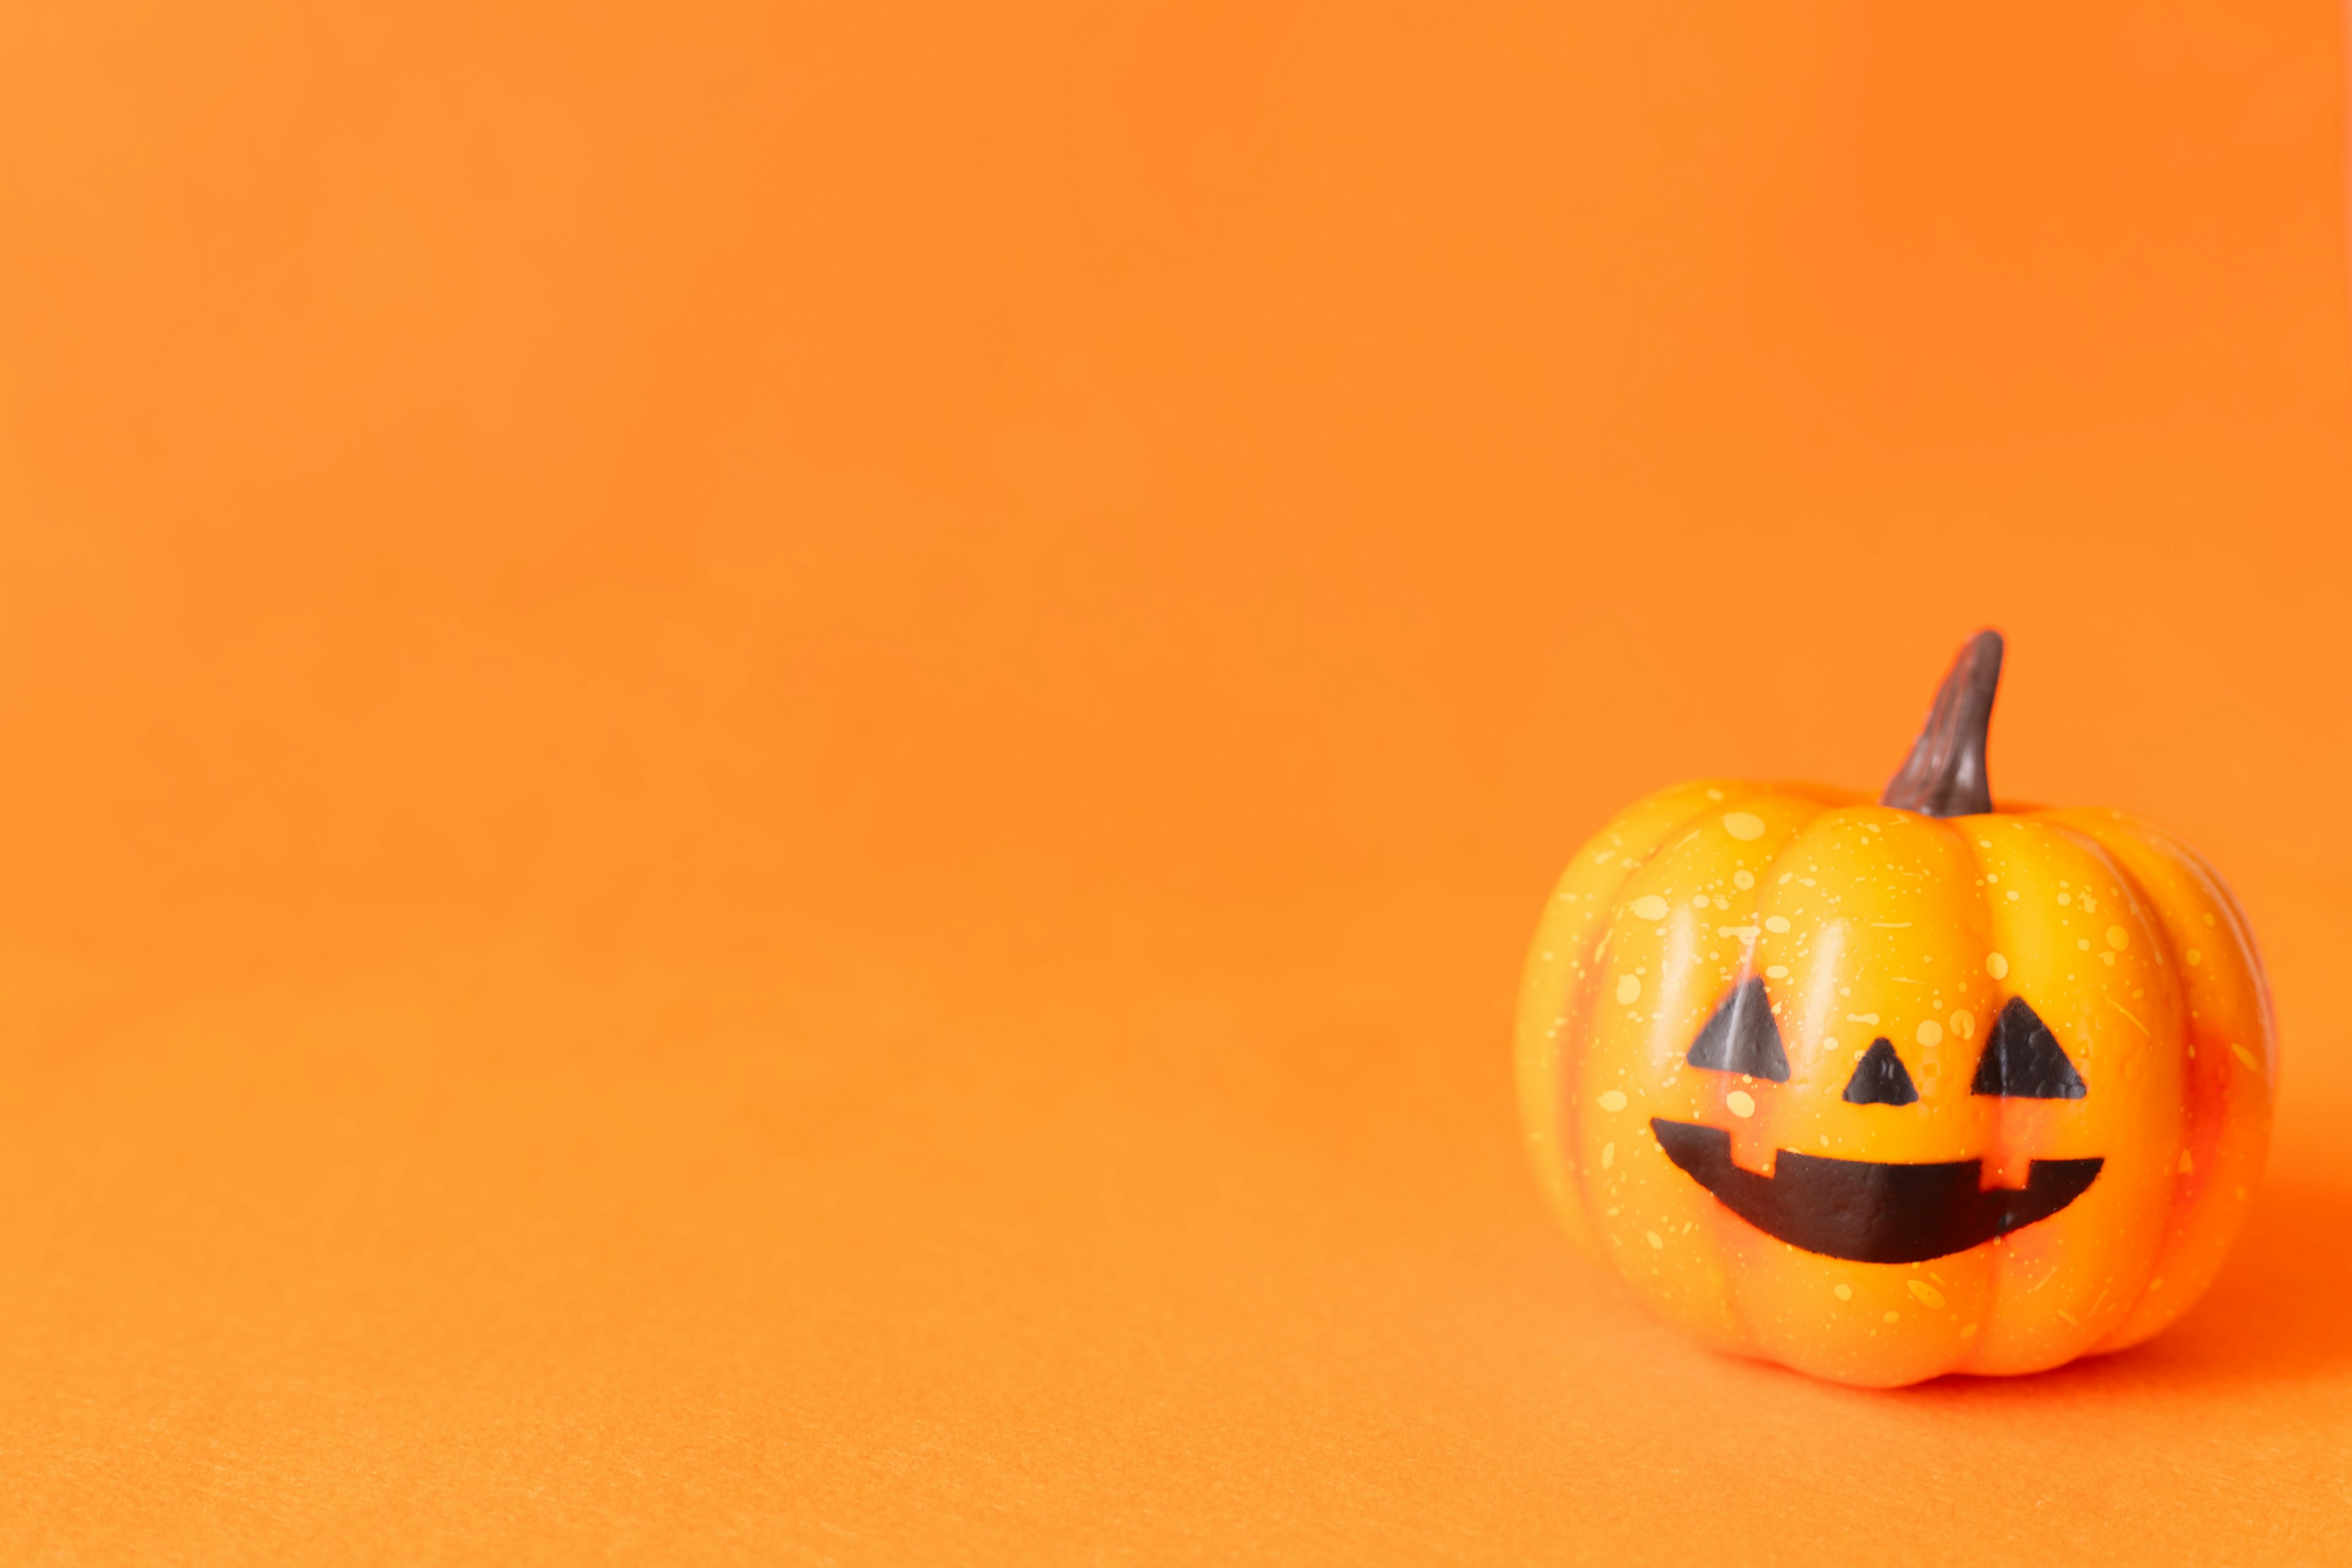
{"x": 1883, "y": 1095}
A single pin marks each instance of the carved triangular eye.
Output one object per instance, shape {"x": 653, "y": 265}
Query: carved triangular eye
{"x": 1880, "y": 1077}
{"x": 2022, "y": 1058}
{"x": 1742, "y": 1037}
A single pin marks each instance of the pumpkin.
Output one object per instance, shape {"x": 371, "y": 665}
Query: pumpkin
{"x": 1884, "y": 1091}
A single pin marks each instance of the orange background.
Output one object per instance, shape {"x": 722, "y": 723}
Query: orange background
{"x": 773, "y": 774}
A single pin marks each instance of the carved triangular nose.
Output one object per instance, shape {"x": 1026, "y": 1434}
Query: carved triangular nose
{"x": 2024, "y": 1058}
{"x": 1742, "y": 1037}
{"x": 1880, "y": 1077}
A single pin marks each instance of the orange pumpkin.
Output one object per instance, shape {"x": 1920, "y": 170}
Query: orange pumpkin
{"x": 1886, "y": 1091}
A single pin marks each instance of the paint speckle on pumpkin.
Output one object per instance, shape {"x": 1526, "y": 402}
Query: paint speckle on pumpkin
{"x": 1742, "y": 1103}
{"x": 2245, "y": 1055}
{"x": 1964, "y": 1023}
{"x": 1649, "y": 906}
{"x": 2083, "y": 945}
{"x": 1829, "y": 1042}
{"x": 2188, "y": 1165}
{"x": 1776, "y": 972}
{"x": 1608, "y": 1155}
{"x": 2195, "y": 958}
{"x": 2064, "y": 900}
{"x": 1775, "y": 924}
{"x": 1743, "y": 825}
{"x": 1656, "y": 1240}
{"x": 1612, "y": 1099}
{"x": 1894, "y": 1317}
{"x": 1969, "y": 1332}
{"x": 1629, "y": 990}
{"x": 1843, "y": 1292}
{"x": 2014, "y": 895}
{"x": 1742, "y": 880}
{"x": 1996, "y": 966}
{"x": 2118, "y": 938}
{"x": 1926, "y": 1294}
{"x": 1929, "y": 1033}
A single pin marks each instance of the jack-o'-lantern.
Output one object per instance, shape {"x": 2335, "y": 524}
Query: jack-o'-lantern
{"x": 1887, "y": 1091}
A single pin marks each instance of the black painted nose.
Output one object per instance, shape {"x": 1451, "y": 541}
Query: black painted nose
{"x": 1880, "y": 1079}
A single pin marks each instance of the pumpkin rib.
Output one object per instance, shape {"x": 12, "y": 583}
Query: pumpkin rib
{"x": 1715, "y": 1317}
{"x": 2125, "y": 1260}
{"x": 1581, "y": 1011}
{"x": 2204, "y": 1221}
{"x": 1550, "y": 1009}
{"x": 2183, "y": 1201}
{"x": 1541, "y": 1051}
{"x": 2116, "y": 1312}
{"x": 1735, "y": 1300}
{"x": 1967, "y": 832}
{"x": 2160, "y": 842}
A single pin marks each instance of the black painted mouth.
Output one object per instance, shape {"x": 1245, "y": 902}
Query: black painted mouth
{"x": 1868, "y": 1212}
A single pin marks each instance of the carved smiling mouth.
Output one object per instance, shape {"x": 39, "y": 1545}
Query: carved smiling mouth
{"x": 1868, "y": 1212}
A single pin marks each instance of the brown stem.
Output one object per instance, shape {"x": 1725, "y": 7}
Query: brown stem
{"x": 1945, "y": 774}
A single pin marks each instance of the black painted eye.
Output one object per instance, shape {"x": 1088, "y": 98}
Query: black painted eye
{"x": 1880, "y": 1077}
{"x": 2023, "y": 1059}
{"x": 1742, "y": 1037}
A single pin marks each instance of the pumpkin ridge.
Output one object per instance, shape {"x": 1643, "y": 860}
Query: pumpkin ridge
{"x": 2199, "y": 1226}
{"x": 2179, "y": 1211}
{"x": 1581, "y": 1009}
{"x": 1549, "y": 1017}
{"x": 1734, "y": 1303}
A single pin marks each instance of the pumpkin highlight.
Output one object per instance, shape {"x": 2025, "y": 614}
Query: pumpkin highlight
{"x": 1883, "y": 1092}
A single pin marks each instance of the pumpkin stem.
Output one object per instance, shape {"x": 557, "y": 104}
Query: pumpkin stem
{"x": 1946, "y": 773}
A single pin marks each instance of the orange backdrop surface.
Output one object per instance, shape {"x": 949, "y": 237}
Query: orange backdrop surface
{"x": 773, "y": 773}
